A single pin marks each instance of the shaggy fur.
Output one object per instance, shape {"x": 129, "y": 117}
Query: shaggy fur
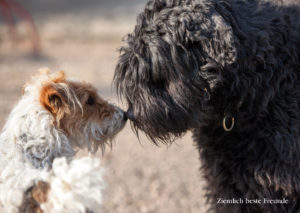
{"x": 54, "y": 118}
{"x": 68, "y": 187}
{"x": 194, "y": 64}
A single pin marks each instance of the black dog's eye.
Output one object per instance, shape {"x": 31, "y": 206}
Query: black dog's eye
{"x": 90, "y": 101}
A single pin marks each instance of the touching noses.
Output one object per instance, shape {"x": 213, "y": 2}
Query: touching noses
{"x": 129, "y": 114}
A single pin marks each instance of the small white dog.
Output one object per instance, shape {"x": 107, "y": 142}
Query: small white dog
{"x": 54, "y": 118}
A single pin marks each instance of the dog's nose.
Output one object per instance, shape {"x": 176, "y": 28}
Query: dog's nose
{"x": 125, "y": 116}
{"x": 130, "y": 115}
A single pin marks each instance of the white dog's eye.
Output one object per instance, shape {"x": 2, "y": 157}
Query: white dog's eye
{"x": 90, "y": 101}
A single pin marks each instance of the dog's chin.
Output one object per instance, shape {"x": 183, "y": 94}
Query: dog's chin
{"x": 158, "y": 132}
{"x": 157, "y": 125}
{"x": 117, "y": 130}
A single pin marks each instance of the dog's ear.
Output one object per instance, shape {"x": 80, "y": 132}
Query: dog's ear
{"x": 59, "y": 77}
{"x": 213, "y": 32}
{"x": 52, "y": 99}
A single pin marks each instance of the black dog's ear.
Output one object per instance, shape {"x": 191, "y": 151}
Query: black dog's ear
{"x": 213, "y": 33}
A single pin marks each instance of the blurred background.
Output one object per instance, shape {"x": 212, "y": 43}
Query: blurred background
{"x": 82, "y": 38}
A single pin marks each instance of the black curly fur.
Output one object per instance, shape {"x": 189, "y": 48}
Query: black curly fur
{"x": 189, "y": 63}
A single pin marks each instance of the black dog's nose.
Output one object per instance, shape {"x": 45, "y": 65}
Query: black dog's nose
{"x": 125, "y": 116}
{"x": 130, "y": 115}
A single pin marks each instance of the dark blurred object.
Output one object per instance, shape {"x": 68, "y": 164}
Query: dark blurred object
{"x": 9, "y": 9}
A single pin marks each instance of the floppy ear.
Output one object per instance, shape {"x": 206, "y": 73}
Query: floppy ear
{"x": 214, "y": 32}
{"x": 52, "y": 99}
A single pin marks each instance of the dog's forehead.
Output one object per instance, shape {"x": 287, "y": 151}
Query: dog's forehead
{"x": 83, "y": 87}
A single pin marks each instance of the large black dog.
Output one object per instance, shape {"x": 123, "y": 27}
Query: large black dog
{"x": 228, "y": 71}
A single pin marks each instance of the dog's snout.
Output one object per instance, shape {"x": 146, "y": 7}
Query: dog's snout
{"x": 130, "y": 115}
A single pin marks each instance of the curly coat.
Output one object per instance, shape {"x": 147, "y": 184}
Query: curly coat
{"x": 192, "y": 64}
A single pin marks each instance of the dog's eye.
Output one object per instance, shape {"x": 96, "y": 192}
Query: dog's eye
{"x": 90, "y": 101}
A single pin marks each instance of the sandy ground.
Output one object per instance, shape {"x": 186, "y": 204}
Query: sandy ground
{"x": 141, "y": 177}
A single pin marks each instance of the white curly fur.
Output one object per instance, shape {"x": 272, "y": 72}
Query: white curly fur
{"x": 74, "y": 186}
{"x": 30, "y": 128}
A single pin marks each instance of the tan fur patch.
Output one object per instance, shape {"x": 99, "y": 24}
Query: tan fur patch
{"x": 99, "y": 110}
{"x": 33, "y": 197}
{"x": 56, "y": 102}
{"x": 50, "y": 99}
{"x": 40, "y": 192}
